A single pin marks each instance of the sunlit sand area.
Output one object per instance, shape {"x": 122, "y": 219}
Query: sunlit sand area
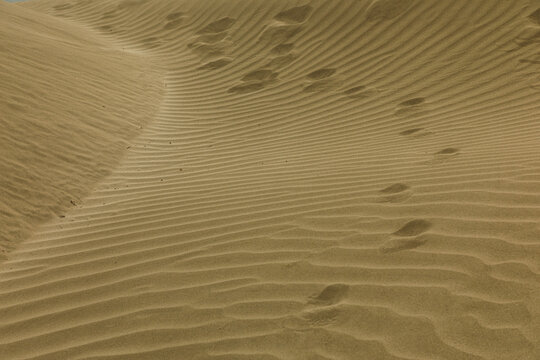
{"x": 270, "y": 179}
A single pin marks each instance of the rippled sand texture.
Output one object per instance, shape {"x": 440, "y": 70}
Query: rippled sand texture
{"x": 305, "y": 180}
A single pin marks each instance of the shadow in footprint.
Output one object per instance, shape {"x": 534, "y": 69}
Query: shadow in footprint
{"x": 411, "y": 131}
{"x": 214, "y": 65}
{"x": 330, "y": 295}
{"x": 246, "y": 88}
{"x": 173, "y": 24}
{"x": 218, "y": 26}
{"x": 174, "y": 16}
{"x": 108, "y": 15}
{"x": 443, "y": 156}
{"x": 535, "y": 60}
{"x": 413, "y": 106}
{"x": 107, "y": 28}
{"x": 535, "y": 17}
{"x": 415, "y": 133}
{"x": 448, "y": 151}
{"x": 277, "y": 34}
{"x": 360, "y": 92}
{"x": 208, "y": 51}
{"x": 322, "y": 80}
{"x": 297, "y": 14}
{"x": 528, "y": 36}
{"x": 414, "y": 228}
{"x": 396, "y": 245}
{"x": 413, "y": 102}
{"x": 395, "y": 193}
{"x": 321, "y": 74}
{"x": 282, "y": 49}
{"x": 280, "y": 62}
{"x": 395, "y": 188}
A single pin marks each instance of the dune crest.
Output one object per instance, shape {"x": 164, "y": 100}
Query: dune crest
{"x": 353, "y": 179}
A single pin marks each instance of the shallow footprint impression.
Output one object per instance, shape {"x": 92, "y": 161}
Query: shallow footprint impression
{"x": 330, "y": 295}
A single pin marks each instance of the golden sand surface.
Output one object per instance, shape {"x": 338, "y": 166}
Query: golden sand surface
{"x": 270, "y": 180}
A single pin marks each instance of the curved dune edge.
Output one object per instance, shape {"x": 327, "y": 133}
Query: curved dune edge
{"x": 70, "y": 101}
{"x": 324, "y": 180}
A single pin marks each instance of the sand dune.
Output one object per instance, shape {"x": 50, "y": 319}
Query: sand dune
{"x": 69, "y": 101}
{"x": 313, "y": 180}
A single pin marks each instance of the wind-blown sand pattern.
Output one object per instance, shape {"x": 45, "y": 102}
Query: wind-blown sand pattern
{"x": 270, "y": 179}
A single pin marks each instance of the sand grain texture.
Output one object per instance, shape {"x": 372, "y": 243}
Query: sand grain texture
{"x": 318, "y": 180}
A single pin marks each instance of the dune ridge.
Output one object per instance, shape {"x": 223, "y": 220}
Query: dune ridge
{"x": 323, "y": 180}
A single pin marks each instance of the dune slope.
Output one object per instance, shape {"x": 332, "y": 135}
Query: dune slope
{"x": 69, "y": 101}
{"x": 344, "y": 179}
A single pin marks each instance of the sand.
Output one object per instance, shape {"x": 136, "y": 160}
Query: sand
{"x": 270, "y": 179}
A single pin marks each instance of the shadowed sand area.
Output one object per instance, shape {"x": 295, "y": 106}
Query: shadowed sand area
{"x": 270, "y": 180}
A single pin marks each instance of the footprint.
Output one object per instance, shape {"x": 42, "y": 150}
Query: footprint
{"x": 108, "y": 15}
{"x": 295, "y": 15}
{"x": 535, "y": 61}
{"x": 277, "y": 34}
{"x": 321, "y": 74}
{"x": 214, "y": 65}
{"x": 173, "y": 24}
{"x": 535, "y": 17}
{"x": 416, "y": 132}
{"x": 413, "y": 228}
{"x": 280, "y": 62}
{"x": 354, "y": 90}
{"x": 387, "y": 9}
{"x": 396, "y": 245}
{"x": 395, "y": 193}
{"x": 410, "y": 131}
{"x": 359, "y": 92}
{"x": 260, "y": 75}
{"x": 282, "y": 49}
{"x": 413, "y": 102}
{"x": 207, "y": 51}
{"x": 528, "y": 36}
{"x": 218, "y": 26}
{"x": 442, "y": 156}
{"x": 174, "y": 16}
{"x": 246, "y": 88}
{"x": 321, "y": 317}
{"x": 395, "y": 188}
{"x": 330, "y": 295}
{"x": 448, "y": 151}
{"x": 106, "y": 28}
{"x": 413, "y": 106}
{"x": 321, "y": 80}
